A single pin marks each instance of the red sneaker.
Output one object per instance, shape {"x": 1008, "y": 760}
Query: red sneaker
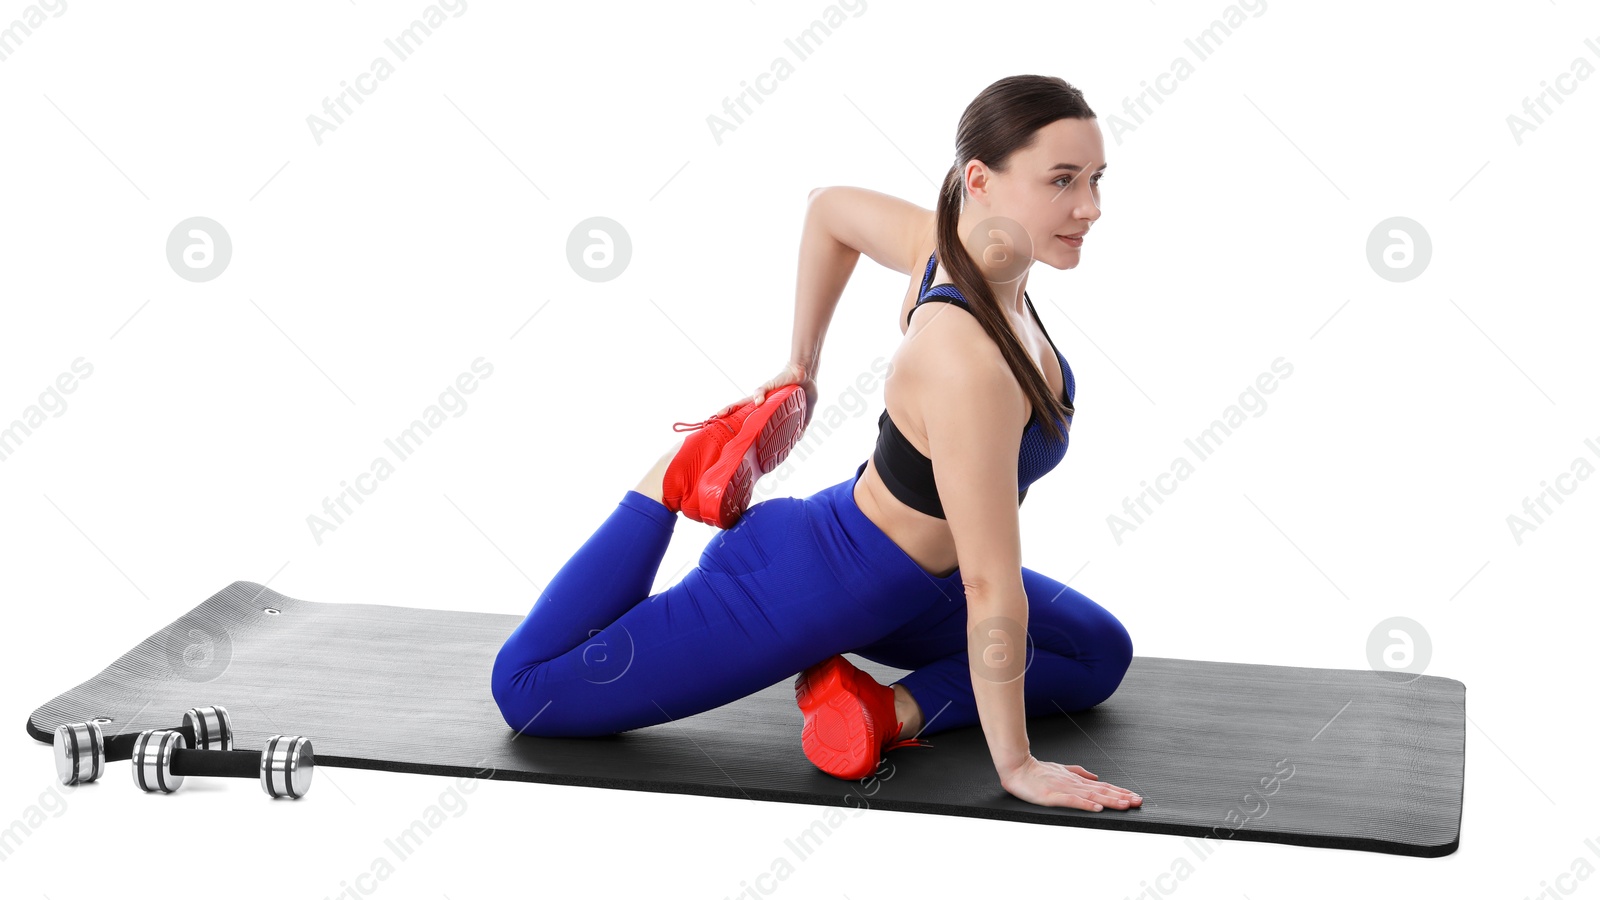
{"x": 850, "y": 720}
{"x": 711, "y": 478}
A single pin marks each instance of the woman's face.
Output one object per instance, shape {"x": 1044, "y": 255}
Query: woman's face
{"x": 1049, "y": 190}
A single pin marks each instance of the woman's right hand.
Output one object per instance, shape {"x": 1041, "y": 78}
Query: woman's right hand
{"x": 1054, "y": 784}
{"x": 793, "y": 373}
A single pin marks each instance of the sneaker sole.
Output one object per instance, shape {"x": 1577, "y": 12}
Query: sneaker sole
{"x": 835, "y": 737}
{"x": 764, "y": 440}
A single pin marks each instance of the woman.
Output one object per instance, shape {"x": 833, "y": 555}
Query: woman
{"x": 869, "y": 565}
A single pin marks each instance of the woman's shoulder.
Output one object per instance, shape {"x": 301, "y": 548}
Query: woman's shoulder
{"x": 948, "y": 341}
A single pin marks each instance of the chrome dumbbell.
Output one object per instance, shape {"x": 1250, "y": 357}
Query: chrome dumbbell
{"x": 162, "y": 759}
{"x": 82, "y": 749}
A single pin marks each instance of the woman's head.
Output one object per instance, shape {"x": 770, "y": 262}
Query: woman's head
{"x": 1027, "y": 170}
{"x": 1028, "y": 160}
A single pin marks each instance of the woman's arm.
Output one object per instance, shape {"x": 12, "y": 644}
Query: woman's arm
{"x": 974, "y": 422}
{"x": 887, "y": 229}
{"x": 841, "y": 224}
{"x": 974, "y": 436}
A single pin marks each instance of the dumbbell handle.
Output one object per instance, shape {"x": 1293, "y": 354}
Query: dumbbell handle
{"x": 120, "y": 746}
{"x": 216, "y": 763}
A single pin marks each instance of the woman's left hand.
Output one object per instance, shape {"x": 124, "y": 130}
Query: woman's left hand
{"x": 793, "y": 373}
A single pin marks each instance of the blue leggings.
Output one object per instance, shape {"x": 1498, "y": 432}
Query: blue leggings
{"x": 796, "y": 580}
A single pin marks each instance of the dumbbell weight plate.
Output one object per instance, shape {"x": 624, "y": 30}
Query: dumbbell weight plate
{"x": 287, "y": 765}
{"x": 152, "y": 761}
{"x": 80, "y": 752}
{"x": 212, "y": 727}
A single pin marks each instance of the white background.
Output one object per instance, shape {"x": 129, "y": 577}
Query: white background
{"x": 370, "y": 270}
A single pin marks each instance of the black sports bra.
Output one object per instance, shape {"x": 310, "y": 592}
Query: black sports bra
{"x": 909, "y": 475}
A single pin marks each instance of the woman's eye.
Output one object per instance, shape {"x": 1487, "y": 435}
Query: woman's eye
{"x": 1093, "y": 182}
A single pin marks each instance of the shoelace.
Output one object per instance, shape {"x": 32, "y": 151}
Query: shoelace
{"x": 905, "y": 742}
{"x": 720, "y": 420}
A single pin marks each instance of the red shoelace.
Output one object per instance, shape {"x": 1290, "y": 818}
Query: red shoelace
{"x": 907, "y": 742}
{"x": 691, "y": 426}
{"x": 912, "y": 741}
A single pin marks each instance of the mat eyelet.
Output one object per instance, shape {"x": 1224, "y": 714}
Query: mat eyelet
{"x": 100, "y": 720}
{"x": 271, "y": 612}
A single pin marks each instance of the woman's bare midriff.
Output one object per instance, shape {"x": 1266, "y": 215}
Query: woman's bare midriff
{"x": 928, "y": 543}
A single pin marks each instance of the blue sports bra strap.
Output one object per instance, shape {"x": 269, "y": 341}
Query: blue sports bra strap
{"x": 1042, "y": 330}
{"x": 923, "y": 289}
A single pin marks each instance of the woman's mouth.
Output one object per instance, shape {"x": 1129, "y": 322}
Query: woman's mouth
{"x": 1070, "y": 241}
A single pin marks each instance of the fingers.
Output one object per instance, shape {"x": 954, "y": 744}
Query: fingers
{"x": 1096, "y": 798}
{"x": 1114, "y": 792}
{"x": 1072, "y": 800}
{"x": 759, "y": 395}
{"x": 1093, "y": 803}
{"x": 1115, "y": 796}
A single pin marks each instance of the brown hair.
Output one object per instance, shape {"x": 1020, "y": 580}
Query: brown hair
{"x": 998, "y": 122}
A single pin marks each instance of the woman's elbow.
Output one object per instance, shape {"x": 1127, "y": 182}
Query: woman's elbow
{"x": 986, "y": 588}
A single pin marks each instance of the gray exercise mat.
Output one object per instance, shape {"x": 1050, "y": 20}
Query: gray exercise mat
{"x": 1337, "y": 758}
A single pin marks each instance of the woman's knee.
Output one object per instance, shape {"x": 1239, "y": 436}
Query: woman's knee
{"x": 532, "y": 704}
{"x": 1114, "y": 648}
{"x": 1119, "y": 643}
{"x": 1093, "y": 629}
{"x": 1103, "y": 645}
{"x": 515, "y": 686}
{"x": 510, "y": 685}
